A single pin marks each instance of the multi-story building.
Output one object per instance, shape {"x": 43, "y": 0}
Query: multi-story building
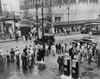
{"x": 29, "y": 7}
{"x": 64, "y": 10}
{"x": 0, "y": 8}
{"x": 78, "y": 9}
{"x": 0, "y": 16}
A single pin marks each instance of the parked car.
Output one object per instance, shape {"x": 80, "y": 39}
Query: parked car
{"x": 48, "y": 38}
{"x": 85, "y": 31}
{"x": 88, "y": 40}
{"x": 95, "y": 32}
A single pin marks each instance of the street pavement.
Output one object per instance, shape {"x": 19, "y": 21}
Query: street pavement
{"x": 10, "y": 71}
{"x": 61, "y": 34}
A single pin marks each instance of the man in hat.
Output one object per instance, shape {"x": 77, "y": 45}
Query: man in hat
{"x": 17, "y": 54}
{"x": 12, "y": 52}
{"x": 71, "y": 52}
{"x": 8, "y": 56}
{"x": 98, "y": 58}
{"x": 25, "y": 49}
{"x": 60, "y": 62}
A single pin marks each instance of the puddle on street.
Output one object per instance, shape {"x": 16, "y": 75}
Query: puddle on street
{"x": 90, "y": 74}
{"x": 89, "y": 69}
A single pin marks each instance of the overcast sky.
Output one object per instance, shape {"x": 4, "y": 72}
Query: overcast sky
{"x": 11, "y": 3}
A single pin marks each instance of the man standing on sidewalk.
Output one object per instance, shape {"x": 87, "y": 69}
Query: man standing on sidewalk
{"x": 98, "y": 59}
{"x": 60, "y": 62}
{"x": 12, "y": 52}
{"x": 16, "y": 37}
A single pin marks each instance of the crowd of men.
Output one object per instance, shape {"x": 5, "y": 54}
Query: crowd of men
{"x": 76, "y": 50}
{"x": 27, "y": 57}
{"x": 79, "y": 51}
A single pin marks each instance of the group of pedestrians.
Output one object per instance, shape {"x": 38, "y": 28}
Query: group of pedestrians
{"x": 56, "y": 48}
{"x": 11, "y": 56}
{"x": 26, "y": 58}
{"x": 31, "y": 54}
{"x": 81, "y": 51}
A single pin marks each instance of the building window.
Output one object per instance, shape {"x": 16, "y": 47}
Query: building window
{"x": 55, "y": 2}
{"x": 93, "y": 1}
{"x": 30, "y": 1}
{"x": 65, "y": 1}
{"x": 21, "y": 2}
{"x": 72, "y": 1}
{"x": 57, "y": 19}
{"x": 39, "y": 2}
{"x": 59, "y": 1}
{"x": 83, "y": 1}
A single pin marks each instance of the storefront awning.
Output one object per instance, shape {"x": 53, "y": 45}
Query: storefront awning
{"x": 93, "y": 21}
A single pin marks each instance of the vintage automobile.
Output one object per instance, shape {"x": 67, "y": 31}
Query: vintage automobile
{"x": 95, "y": 32}
{"x": 91, "y": 39}
{"x": 48, "y": 38}
{"x": 83, "y": 40}
{"x": 84, "y": 31}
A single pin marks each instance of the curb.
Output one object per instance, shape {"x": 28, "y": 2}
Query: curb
{"x": 4, "y": 41}
{"x": 67, "y": 34}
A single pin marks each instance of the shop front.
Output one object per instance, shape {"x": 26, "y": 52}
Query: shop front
{"x": 62, "y": 27}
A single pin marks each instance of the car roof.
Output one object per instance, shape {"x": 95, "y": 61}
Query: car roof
{"x": 47, "y": 34}
{"x": 90, "y": 39}
{"x": 85, "y": 39}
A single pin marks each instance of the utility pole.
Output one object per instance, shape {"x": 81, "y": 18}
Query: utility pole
{"x": 68, "y": 24}
{"x": 26, "y": 8}
{"x": 51, "y": 11}
{"x": 42, "y": 25}
{"x": 36, "y": 12}
{"x": 4, "y": 7}
{"x": 68, "y": 10}
{"x": 0, "y": 8}
{"x": 11, "y": 7}
{"x": 14, "y": 22}
{"x": 37, "y": 17}
{"x": 1, "y": 24}
{"x": 68, "y": 15}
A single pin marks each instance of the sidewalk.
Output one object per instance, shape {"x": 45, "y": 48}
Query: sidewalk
{"x": 61, "y": 34}
{"x": 90, "y": 71}
{"x": 8, "y": 40}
